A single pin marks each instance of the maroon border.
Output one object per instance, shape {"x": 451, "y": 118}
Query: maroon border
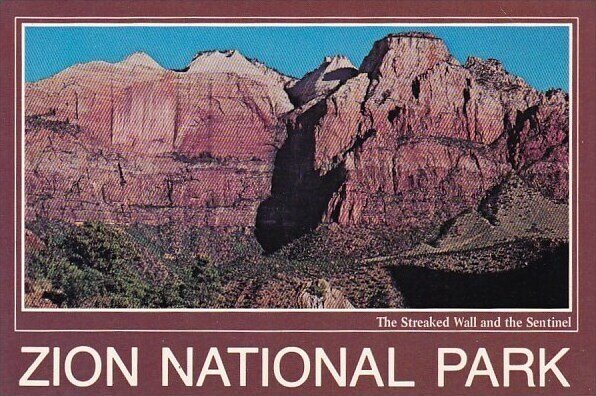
{"x": 204, "y": 321}
{"x": 419, "y": 349}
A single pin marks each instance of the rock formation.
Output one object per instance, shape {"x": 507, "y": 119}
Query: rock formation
{"x": 322, "y": 296}
{"x": 511, "y": 211}
{"x": 133, "y": 142}
{"x": 410, "y": 139}
{"x": 414, "y": 139}
{"x": 318, "y": 83}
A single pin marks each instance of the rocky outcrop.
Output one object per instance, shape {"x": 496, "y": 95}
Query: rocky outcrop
{"x": 145, "y": 144}
{"x": 322, "y": 296}
{"x": 535, "y": 139}
{"x": 415, "y": 138}
{"x": 334, "y": 71}
{"x": 509, "y": 212}
{"x": 222, "y": 105}
{"x": 406, "y": 141}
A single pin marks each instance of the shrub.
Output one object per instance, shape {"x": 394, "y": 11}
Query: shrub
{"x": 94, "y": 265}
{"x": 100, "y": 265}
{"x": 200, "y": 283}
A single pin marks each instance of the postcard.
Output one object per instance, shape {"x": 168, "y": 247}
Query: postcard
{"x": 313, "y": 198}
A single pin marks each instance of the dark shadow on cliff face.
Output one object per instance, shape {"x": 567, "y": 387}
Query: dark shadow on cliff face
{"x": 342, "y": 74}
{"x": 543, "y": 283}
{"x": 299, "y": 194}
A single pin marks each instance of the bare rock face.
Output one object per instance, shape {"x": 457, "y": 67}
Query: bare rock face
{"x": 329, "y": 75}
{"x": 536, "y": 127}
{"x": 133, "y": 142}
{"x": 85, "y": 95}
{"x": 322, "y": 296}
{"x": 222, "y": 105}
{"x": 410, "y": 139}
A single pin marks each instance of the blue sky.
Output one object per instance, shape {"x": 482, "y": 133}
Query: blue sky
{"x": 540, "y": 55}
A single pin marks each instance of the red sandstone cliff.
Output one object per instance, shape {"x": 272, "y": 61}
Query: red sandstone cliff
{"x": 133, "y": 142}
{"x": 414, "y": 138}
{"x": 410, "y": 138}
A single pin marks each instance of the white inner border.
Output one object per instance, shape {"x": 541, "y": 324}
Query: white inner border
{"x": 573, "y": 116}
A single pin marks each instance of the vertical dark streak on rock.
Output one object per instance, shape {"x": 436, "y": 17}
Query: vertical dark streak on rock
{"x": 466, "y": 95}
{"x": 76, "y": 105}
{"x": 170, "y": 191}
{"x": 416, "y": 88}
{"x": 176, "y": 121}
{"x": 121, "y": 175}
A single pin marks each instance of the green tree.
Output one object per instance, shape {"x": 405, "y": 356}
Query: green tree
{"x": 94, "y": 265}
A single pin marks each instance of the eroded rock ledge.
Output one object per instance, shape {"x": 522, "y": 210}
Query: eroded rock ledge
{"x": 408, "y": 139}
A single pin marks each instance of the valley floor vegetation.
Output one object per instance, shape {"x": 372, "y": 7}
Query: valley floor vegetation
{"x": 102, "y": 265}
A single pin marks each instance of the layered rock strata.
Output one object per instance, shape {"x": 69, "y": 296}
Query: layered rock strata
{"x": 409, "y": 139}
{"x": 414, "y": 139}
{"x": 133, "y": 142}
